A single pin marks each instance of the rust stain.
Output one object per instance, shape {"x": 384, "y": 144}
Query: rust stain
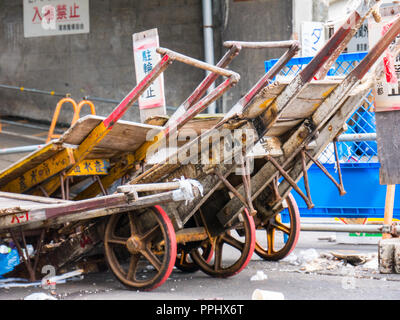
{"x": 328, "y": 92}
{"x": 266, "y": 103}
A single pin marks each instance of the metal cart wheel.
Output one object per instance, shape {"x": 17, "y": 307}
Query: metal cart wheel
{"x": 241, "y": 239}
{"x": 281, "y": 238}
{"x": 185, "y": 263}
{"x": 140, "y": 248}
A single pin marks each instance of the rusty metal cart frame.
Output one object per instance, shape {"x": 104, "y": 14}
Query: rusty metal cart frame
{"x": 20, "y": 213}
{"x": 325, "y": 122}
{"x": 304, "y": 146}
{"x": 56, "y": 162}
{"x": 253, "y": 113}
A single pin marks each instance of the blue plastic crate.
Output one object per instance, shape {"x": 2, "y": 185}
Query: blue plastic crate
{"x": 364, "y": 198}
{"x": 344, "y": 63}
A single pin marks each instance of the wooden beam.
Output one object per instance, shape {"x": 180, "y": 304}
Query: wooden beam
{"x": 389, "y": 205}
{"x": 42, "y": 172}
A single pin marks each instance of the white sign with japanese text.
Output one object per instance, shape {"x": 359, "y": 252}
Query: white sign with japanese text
{"x": 359, "y": 42}
{"x": 144, "y": 49}
{"x": 387, "y": 90}
{"x": 55, "y": 17}
{"x": 312, "y": 38}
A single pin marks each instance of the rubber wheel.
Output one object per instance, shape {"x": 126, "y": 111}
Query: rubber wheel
{"x": 276, "y": 247}
{"x": 140, "y": 248}
{"x": 227, "y": 262}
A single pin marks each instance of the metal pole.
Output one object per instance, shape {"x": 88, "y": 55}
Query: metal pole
{"x": 23, "y": 89}
{"x": 357, "y": 137}
{"x": 208, "y": 43}
{"x": 58, "y": 94}
{"x": 21, "y": 149}
{"x": 369, "y": 228}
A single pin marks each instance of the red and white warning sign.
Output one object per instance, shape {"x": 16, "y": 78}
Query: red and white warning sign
{"x": 144, "y": 49}
{"x": 55, "y": 17}
{"x": 387, "y": 90}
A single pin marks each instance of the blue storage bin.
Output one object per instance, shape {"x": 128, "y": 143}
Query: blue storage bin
{"x": 364, "y": 198}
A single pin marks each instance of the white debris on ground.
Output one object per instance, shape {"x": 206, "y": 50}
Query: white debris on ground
{"x": 39, "y": 296}
{"x": 303, "y": 257}
{"x": 259, "y": 294}
{"x": 310, "y": 260}
{"x": 259, "y": 276}
{"x": 373, "y": 264}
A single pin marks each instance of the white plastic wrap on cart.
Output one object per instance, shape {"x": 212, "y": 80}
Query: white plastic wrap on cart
{"x": 185, "y": 192}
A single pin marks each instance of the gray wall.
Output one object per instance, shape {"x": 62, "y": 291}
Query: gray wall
{"x": 101, "y": 63}
{"x": 261, "y": 20}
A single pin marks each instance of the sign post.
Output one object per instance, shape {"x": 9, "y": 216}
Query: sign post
{"x": 387, "y": 112}
{"x": 152, "y": 101}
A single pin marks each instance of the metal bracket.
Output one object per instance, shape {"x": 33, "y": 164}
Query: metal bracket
{"x": 340, "y": 186}
{"x": 287, "y": 177}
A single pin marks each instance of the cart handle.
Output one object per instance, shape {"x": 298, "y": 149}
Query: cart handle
{"x": 262, "y": 44}
{"x": 199, "y": 64}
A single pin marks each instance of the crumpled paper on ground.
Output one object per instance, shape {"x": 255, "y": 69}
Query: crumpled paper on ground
{"x": 311, "y": 261}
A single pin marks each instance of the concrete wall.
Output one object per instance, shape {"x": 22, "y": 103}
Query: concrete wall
{"x": 101, "y": 63}
{"x": 256, "y": 20}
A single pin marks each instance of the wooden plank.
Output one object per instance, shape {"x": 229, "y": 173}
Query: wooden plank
{"x": 308, "y": 100}
{"x": 193, "y": 127}
{"x": 23, "y": 197}
{"x": 201, "y": 123}
{"x": 269, "y": 146}
{"x": 389, "y": 205}
{"x": 102, "y": 153}
{"x": 157, "y": 120}
{"x": 283, "y": 126}
{"x": 50, "y": 214}
{"x": 17, "y": 205}
{"x": 41, "y": 172}
{"x": 387, "y": 135}
{"x": 209, "y": 121}
{"x": 125, "y": 135}
{"x": 30, "y": 161}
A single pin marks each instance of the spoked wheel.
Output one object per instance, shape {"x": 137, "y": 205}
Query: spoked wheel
{"x": 232, "y": 249}
{"x": 281, "y": 237}
{"x": 140, "y": 248}
{"x": 184, "y": 261}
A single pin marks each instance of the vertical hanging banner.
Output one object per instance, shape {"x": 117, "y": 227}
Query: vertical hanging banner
{"x": 152, "y": 101}
{"x": 312, "y": 38}
{"x": 55, "y": 17}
